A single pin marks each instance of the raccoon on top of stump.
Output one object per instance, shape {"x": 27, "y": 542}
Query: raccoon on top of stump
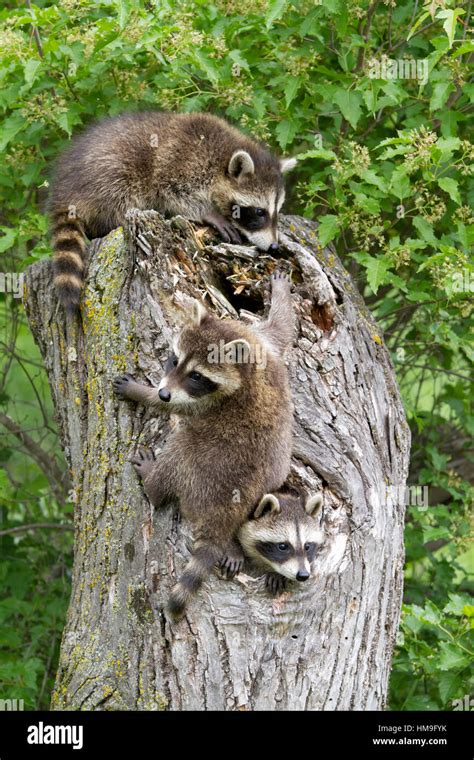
{"x": 195, "y": 164}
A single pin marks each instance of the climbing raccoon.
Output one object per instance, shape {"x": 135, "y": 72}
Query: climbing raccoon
{"x": 234, "y": 439}
{"x": 283, "y": 536}
{"x": 193, "y": 164}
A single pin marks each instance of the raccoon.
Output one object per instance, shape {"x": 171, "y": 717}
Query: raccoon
{"x": 283, "y": 536}
{"x": 192, "y": 164}
{"x": 234, "y": 439}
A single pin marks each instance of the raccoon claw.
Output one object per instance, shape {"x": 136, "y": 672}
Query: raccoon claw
{"x": 234, "y": 234}
{"x": 143, "y": 462}
{"x": 231, "y": 565}
{"x": 228, "y": 233}
{"x": 121, "y": 384}
{"x": 280, "y": 278}
{"x": 275, "y": 584}
{"x": 226, "y": 230}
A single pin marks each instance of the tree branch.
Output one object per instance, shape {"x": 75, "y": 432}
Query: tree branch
{"x": 36, "y": 33}
{"x": 35, "y": 526}
{"x": 56, "y": 476}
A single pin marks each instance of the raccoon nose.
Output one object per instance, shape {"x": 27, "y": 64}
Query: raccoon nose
{"x": 302, "y": 575}
{"x": 164, "y": 394}
{"x": 273, "y": 247}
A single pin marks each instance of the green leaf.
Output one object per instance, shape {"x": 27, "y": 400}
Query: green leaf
{"x": 10, "y": 128}
{"x": 208, "y": 65}
{"x": 452, "y": 657}
{"x": 456, "y": 604}
{"x": 327, "y": 155}
{"x": 7, "y": 239}
{"x": 451, "y": 16}
{"x": 285, "y": 132}
{"x": 368, "y": 204}
{"x": 349, "y": 103}
{"x": 400, "y": 183}
{"x": 466, "y": 47}
{"x": 291, "y": 89}
{"x": 377, "y": 269}
{"x": 440, "y": 95}
{"x": 237, "y": 57}
{"x": 449, "y": 685}
{"x": 447, "y": 145}
{"x": 373, "y": 179}
{"x": 276, "y": 9}
{"x": 425, "y": 229}
{"x": 417, "y": 24}
{"x": 31, "y": 68}
{"x": 328, "y": 228}
{"x": 451, "y": 187}
{"x": 123, "y": 8}
{"x": 333, "y": 6}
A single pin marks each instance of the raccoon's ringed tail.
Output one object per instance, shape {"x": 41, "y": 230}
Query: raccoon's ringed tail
{"x": 69, "y": 249}
{"x": 195, "y": 573}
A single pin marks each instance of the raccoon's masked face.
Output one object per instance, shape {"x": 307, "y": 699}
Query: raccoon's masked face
{"x": 194, "y": 378}
{"x": 254, "y": 197}
{"x": 283, "y": 536}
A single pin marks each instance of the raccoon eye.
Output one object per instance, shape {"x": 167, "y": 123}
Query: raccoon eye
{"x": 283, "y": 547}
{"x": 260, "y": 211}
{"x": 308, "y": 547}
{"x": 172, "y": 361}
{"x": 195, "y": 375}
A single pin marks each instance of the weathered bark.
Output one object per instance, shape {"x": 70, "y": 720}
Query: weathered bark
{"x": 325, "y": 645}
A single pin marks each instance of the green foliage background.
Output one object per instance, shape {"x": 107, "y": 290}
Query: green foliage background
{"x": 385, "y": 166}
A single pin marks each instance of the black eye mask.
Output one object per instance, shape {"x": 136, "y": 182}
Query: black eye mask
{"x": 197, "y": 387}
{"x": 273, "y": 553}
{"x": 311, "y": 552}
{"x": 171, "y": 362}
{"x": 248, "y": 217}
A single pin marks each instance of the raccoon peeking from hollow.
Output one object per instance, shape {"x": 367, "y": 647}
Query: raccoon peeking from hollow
{"x": 283, "y": 537}
{"x": 234, "y": 439}
{"x": 196, "y": 165}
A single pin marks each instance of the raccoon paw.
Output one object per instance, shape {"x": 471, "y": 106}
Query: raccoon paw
{"x": 232, "y": 563}
{"x": 226, "y": 230}
{"x": 280, "y": 279}
{"x": 143, "y": 462}
{"x": 274, "y": 583}
{"x": 230, "y": 234}
{"x": 122, "y": 383}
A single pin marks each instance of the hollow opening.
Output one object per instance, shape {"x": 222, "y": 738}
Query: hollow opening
{"x": 249, "y": 302}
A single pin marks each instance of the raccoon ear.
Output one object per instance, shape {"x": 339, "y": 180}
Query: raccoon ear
{"x": 241, "y": 165}
{"x": 198, "y": 312}
{"x": 267, "y": 505}
{"x": 286, "y": 164}
{"x": 237, "y": 351}
{"x": 313, "y": 505}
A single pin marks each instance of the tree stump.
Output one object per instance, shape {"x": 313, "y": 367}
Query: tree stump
{"x": 323, "y": 645}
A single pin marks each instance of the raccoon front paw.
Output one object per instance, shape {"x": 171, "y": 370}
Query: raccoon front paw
{"x": 232, "y": 563}
{"x": 143, "y": 462}
{"x": 280, "y": 279}
{"x": 226, "y": 229}
{"x": 122, "y": 383}
{"x": 275, "y": 584}
{"x": 229, "y": 233}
